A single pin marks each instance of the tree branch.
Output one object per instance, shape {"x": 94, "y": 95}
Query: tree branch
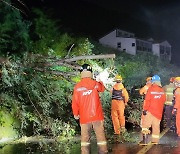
{"x": 57, "y": 72}
{"x": 90, "y": 57}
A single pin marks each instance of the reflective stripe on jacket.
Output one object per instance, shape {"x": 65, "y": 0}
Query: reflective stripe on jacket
{"x": 86, "y": 102}
{"x": 169, "y": 93}
{"x": 155, "y": 99}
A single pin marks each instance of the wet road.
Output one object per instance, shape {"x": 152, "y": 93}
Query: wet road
{"x": 169, "y": 144}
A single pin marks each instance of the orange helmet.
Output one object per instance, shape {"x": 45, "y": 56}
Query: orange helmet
{"x": 148, "y": 79}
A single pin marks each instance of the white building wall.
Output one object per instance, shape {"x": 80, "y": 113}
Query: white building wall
{"x": 156, "y": 49}
{"x": 112, "y": 41}
{"x": 109, "y": 40}
{"x": 126, "y": 45}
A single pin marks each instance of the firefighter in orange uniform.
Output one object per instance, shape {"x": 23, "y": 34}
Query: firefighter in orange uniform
{"x": 153, "y": 110}
{"x": 176, "y": 109}
{"x": 143, "y": 92}
{"x": 87, "y": 107}
{"x": 144, "y": 89}
{"x": 120, "y": 98}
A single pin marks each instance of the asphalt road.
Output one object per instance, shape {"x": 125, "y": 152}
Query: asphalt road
{"x": 169, "y": 144}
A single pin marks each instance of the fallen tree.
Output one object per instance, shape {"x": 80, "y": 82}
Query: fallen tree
{"x": 45, "y": 63}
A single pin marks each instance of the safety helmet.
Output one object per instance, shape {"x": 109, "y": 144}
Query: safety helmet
{"x": 118, "y": 78}
{"x": 148, "y": 79}
{"x": 155, "y": 78}
{"x": 172, "y": 79}
{"x": 177, "y": 81}
{"x": 86, "y": 67}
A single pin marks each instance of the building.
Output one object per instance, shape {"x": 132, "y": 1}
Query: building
{"x": 126, "y": 41}
{"x": 121, "y": 40}
{"x": 162, "y": 50}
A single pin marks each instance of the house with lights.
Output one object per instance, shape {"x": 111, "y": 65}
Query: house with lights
{"x": 127, "y": 42}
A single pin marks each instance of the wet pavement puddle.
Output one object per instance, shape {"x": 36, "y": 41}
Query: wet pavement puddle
{"x": 169, "y": 144}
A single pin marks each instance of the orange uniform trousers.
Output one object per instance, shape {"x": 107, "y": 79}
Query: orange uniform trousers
{"x": 151, "y": 121}
{"x": 117, "y": 115}
{"x": 178, "y": 123}
{"x": 98, "y": 127}
{"x": 142, "y": 116}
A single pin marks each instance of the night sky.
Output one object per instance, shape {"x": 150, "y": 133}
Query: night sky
{"x": 157, "y": 19}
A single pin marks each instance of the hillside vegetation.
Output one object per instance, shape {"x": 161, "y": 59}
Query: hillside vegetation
{"x": 36, "y": 85}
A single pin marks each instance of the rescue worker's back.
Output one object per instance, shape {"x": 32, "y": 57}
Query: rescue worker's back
{"x": 155, "y": 99}
{"x": 84, "y": 104}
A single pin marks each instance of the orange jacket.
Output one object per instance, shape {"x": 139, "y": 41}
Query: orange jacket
{"x": 144, "y": 89}
{"x": 177, "y": 99}
{"x": 116, "y": 103}
{"x": 155, "y": 99}
{"x": 86, "y": 102}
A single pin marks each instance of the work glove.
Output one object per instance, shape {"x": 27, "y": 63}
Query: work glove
{"x": 145, "y": 112}
{"x": 76, "y": 117}
{"x": 174, "y": 111}
{"x": 98, "y": 78}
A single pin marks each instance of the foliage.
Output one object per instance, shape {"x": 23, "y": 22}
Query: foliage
{"x": 37, "y": 100}
{"x": 51, "y": 41}
{"x": 46, "y": 32}
{"x": 41, "y": 102}
{"x": 106, "y": 102}
{"x": 8, "y": 124}
{"x": 14, "y": 31}
{"x": 134, "y": 70}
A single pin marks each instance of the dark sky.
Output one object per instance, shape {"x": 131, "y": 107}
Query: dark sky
{"x": 159, "y": 19}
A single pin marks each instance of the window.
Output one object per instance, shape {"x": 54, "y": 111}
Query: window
{"x": 133, "y": 44}
{"x": 125, "y": 34}
{"x": 139, "y": 48}
{"x": 119, "y": 45}
{"x": 168, "y": 50}
{"x": 162, "y": 49}
{"x": 137, "y": 43}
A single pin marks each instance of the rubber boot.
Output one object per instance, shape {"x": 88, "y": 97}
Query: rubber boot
{"x": 144, "y": 140}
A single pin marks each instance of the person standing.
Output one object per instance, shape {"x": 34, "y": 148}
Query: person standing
{"x": 143, "y": 92}
{"x": 144, "y": 89}
{"x": 176, "y": 109}
{"x": 87, "y": 107}
{"x": 120, "y": 98}
{"x": 169, "y": 91}
{"x": 153, "y": 110}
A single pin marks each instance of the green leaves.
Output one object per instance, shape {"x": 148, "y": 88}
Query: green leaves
{"x": 14, "y": 31}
